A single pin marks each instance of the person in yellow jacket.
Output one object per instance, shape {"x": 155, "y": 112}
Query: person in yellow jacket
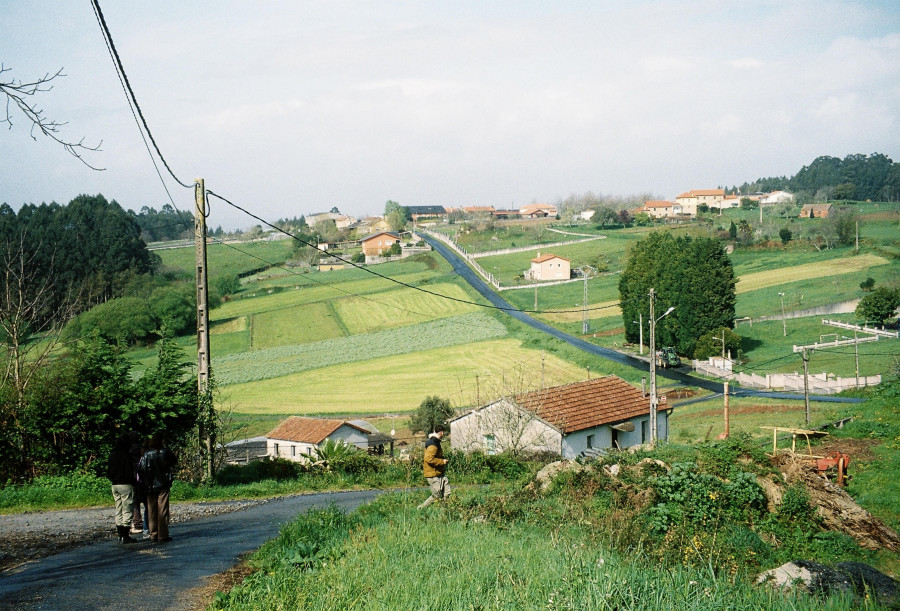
{"x": 433, "y": 467}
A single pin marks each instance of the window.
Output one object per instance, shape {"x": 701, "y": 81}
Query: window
{"x": 590, "y": 441}
{"x": 276, "y": 449}
{"x": 645, "y": 431}
{"x": 490, "y": 444}
{"x": 293, "y": 451}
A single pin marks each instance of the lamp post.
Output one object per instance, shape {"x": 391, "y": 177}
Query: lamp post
{"x": 653, "y": 399}
{"x": 783, "y": 321}
{"x": 640, "y": 331}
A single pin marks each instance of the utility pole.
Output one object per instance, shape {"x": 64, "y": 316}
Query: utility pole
{"x": 856, "y": 346}
{"x": 723, "y": 345}
{"x": 641, "y": 332}
{"x": 206, "y": 434}
{"x": 783, "y": 321}
{"x": 652, "y": 370}
{"x": 727, "y": 421}
{"x": 585, "y": 323}
{"x": 806, "y": 382}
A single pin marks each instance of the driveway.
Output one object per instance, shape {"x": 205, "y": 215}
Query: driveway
{"x": 107, "y": 575}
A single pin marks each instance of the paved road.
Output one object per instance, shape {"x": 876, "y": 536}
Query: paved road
{"x": 460, "y": 267}
{"x": 106, "y": 575}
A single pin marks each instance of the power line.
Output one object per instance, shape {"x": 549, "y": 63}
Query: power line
{"x": 123, "y": 77}
{"x": 394, "y": 280}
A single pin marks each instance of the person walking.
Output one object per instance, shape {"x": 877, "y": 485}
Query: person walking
{"x": 156, "y": 474}
{"x": 120, "y": 471}
{"x": 434, "y": 466}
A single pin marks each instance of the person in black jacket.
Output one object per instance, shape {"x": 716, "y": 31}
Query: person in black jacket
{"x": 120, "y": 471}
{"x": 156, "y": 471}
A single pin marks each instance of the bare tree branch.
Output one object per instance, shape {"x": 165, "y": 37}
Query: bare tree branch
{"x": 19, "y": 93}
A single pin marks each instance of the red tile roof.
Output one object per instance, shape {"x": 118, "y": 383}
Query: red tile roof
{"x": 547, "y": 257}
{"x": 658, "y": 203}
{"x": 702, "y": 192}
{"x": 584, "y": 405}
{"x": 307, "y": 430}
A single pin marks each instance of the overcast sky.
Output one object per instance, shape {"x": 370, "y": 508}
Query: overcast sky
{"x": 290, "y": 108}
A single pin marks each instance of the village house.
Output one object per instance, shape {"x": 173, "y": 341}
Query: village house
{"x": 376, "y": 244}
{"x": 660, "y": 209}
{"x": 534, "y": 211}
{"x": 776, "y": 197}
{"x": 815, "y": 211}
{"x": 549, "y": 267}
{"x": 573, "y": 420}
{"x": 691, "y": 200}
{"x": 296, "y": 438}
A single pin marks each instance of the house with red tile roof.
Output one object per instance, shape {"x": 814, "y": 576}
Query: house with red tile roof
{"x": 660, "y": 209}
{"x": 296, "y": 438}
{"x": 571, "y": 420}
{"x": 549, "y": 267}
{"x": 533, "y": 211}
{"x": 690, "y": 200}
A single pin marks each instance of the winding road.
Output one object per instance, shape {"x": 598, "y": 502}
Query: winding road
{"x": 107, "y": 575}
{"x": 460, "y": 267}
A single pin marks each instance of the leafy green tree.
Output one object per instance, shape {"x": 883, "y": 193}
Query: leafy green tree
{"x": 710, "y": 344}
{"x": 785, "y": 234}
{"x": 867, "y": 285}
{"x": 605, "y": 215}
{"x": 394, "y": 251}
{"x": 227, "y": 285}
{"x": 396, "y": 215}
{"x": 840, "y": 226}
{"x": 748, "y": 204}
{"x": 879, "y": 306}
{"x": 845, "y": 191}
{"x": 732, "y": 231}
{"x": 174, "y": 308}
{"x": 694, "y": 275}
{"x": 126, "y": 319}
{"x": 431, "y": 412}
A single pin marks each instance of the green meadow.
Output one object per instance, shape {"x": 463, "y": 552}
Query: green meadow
{"x": 377, "y": 341}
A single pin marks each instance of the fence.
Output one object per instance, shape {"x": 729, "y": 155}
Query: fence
{"x": 819, "y": 383}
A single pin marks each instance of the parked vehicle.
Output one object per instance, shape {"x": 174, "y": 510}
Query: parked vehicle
{"x": 667, "y": 357}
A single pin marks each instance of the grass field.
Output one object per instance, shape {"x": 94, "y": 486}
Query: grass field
{"x": 807, "y": 271}
{"x": 228, "y": 259}
{"x": 464, "y": 374}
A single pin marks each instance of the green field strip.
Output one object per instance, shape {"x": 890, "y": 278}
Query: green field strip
{"x": 311, "y": 322}
{"x": 400, "y": 308}
{"x": 474, "y": 372}
{"x": 285, "y": 360}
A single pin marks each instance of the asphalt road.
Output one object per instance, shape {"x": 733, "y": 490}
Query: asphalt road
{"x": 460, "y": 267}
{"x": 107, "y": 575}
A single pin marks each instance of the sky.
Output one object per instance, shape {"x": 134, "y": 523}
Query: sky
{"x": 290, "y": 108}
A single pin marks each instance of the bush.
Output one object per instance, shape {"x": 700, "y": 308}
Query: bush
{"x": 277, "y": 469}
{"x": 356, "y": 463}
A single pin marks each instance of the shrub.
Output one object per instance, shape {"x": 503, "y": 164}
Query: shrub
{"x": 277, "y": 469}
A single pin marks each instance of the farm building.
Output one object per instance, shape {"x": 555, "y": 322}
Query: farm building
{"x": 815, "y": 211}
{"x": 297, "y": 438}
{"x": 549, "y": 267}
{"x": 572, "y": 420}
{"x": 691, "y": 200}
{"x": 777, "y": 197}
{"x": 659, "y": 209}
{"x": 377, "y": 243}
{"x": 534, "y": 211}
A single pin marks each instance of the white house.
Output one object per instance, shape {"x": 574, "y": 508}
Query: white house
{"x": 549, "y": 267}
{"x": 690, "y": 200}
{"x": 296, "y": 438}
{"x": 660, "y": 209}
{"x": 777, "y": 197}
{"x": 570, "y": 420}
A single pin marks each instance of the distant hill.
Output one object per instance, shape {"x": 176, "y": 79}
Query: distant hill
{"x": 873, "y": 177}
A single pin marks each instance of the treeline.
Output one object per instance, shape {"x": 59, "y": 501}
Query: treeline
{"x": 167, "y": 224}
{"x": 76, "y": 255}
{"x": 855, "y": 177}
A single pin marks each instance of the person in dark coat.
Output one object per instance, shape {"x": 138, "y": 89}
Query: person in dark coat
{"x": 138, "y": 523}
{"x": 120, "y": 471}
{"x": 156, "y": 471}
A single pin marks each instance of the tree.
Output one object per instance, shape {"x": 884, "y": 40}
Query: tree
{"x": 604, "y": 216}
{"x": 732, "y": 230}
{"x": 396, "y": 215}
{"x": 867, "y": 285}
{"x": 748, "y": 204}
{"x": 19, "y": 93}
{"x": 227, "y": 285}
{"x": 625, "y": 218}
{"x": 710, "y": 344}
{"x": 879, "y": 306}
{"x": 431, "y": 412}
{"x": 694, "y": 275}
{"x": 840, "y": 226}
{"x": 785, "y": 234}
{"x": 845, "y": 191}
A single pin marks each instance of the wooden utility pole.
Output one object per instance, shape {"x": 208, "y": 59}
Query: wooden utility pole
{"x": 727, "y": 421}
{"x": 206, "y": 435}
{"x": 653, "y": 430}
{"x": 806, "y": 382}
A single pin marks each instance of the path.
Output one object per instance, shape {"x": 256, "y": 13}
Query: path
{"x": 107, "y": 575}
{"x": 460, "y": 267}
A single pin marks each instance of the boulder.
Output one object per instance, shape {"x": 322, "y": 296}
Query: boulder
{"x": 854, "y": 578}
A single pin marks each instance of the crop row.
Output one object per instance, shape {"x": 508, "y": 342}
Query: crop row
{"x": 286, "y": 360}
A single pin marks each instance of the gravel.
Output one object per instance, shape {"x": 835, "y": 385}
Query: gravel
{"x": 35, "y": 534}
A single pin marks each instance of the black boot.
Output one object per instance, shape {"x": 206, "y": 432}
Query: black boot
{"x": 126, "y": 536}
{"x": 119, "y": 534}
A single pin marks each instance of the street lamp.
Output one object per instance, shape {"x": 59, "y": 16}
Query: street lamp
{"x": 783, "y": 321}
{"x": 640, "y": 331}
{"x": 653, "y": 399}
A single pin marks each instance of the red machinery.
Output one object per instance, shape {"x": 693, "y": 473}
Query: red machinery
{"x": 834, "y": 461}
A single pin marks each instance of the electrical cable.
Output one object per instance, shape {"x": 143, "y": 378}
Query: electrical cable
{"x": 129, "y": 91}
{"x": 395, "y": 281}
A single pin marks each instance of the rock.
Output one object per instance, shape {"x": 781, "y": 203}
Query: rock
{"x": 868, "y": 580}
{"x": 853, "y": 578}
{"x": 545, "y": 476}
